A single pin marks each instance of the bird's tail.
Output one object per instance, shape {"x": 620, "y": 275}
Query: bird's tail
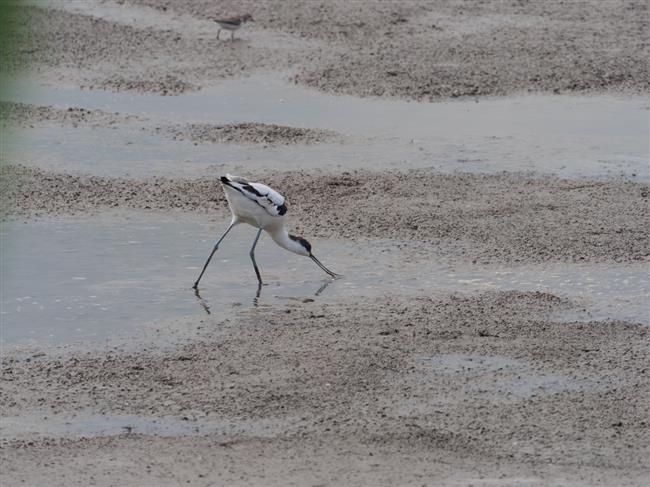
{"x": 234, "y": 179}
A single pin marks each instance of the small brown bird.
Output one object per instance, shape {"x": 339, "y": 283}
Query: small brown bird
{"x": 232, "y": 23}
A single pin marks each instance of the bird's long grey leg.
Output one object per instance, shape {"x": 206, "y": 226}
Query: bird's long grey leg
{"x": 252, "y": 254}
{"x": 256, "y": 299}
{"x": 216, "y": 246}
{"x": 218, "y": 33}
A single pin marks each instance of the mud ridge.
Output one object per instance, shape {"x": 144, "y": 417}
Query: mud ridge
{"x": 251, "y": 132}
{"x": 25, "y": 115}
{"x": 504, "y": 218}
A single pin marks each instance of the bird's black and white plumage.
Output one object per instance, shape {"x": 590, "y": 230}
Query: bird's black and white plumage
{"x": 264, "y": 208}
{"x": 268, "y": 198}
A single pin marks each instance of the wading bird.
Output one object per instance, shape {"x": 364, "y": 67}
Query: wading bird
{"x": 232, "y": 23}
{"x": 264, "y": 208}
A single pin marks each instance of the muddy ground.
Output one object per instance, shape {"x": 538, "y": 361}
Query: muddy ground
{"x": 488, "y": 388}
{"x": 257, "y": 133}
{"x": 415, "y": 50}
{"x": 430, "y": 390}
{"x": 504, "y": 218}
{"x": 25, "y": 115}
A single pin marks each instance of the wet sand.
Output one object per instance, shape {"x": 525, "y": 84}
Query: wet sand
{"x": 258, "y": 133}
{"x": 439, "y": 390}
{"x": 26, "y": 115}
{"x": 374, "y": 385}
{"x": 491, "y": 219}
{"x": 415, "y": 50}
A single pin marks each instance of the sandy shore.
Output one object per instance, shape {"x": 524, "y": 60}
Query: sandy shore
{"x": 421, "y": 388}
{"x": 25, "y": 115}
{"x": 392, "y": 390}
{"x": 490, "y": 219}
{"x": 415, "y": 50}
{"x": 380, "y": 392}
{"x": 257, "y": 133}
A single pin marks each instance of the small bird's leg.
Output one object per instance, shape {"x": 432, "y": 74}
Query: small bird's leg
{"x": 252, "y": 254}
{"x": 216, "y": 246}
{"x": 218, "y": 33}
{"x": 232, "y": 35}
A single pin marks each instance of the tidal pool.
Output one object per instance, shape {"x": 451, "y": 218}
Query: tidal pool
{"x": 89, "y": 425}
{"x": 95, "y": 278}
{"x": 570, "y": 136}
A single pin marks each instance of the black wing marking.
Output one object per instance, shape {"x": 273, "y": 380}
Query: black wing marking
{"x": 267, "y": 198}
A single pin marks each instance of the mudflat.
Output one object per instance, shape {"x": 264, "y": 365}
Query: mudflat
{"x": 416, "y": 50}
{"x": 399, "y": 383}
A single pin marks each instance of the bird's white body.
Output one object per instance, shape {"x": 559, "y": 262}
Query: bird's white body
{"x": 259, "y": 210}
{"x": 245, "y": 210}
{"x": 264, "y": 208}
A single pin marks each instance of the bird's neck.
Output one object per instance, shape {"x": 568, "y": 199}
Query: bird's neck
{"x": 281, "y": 237}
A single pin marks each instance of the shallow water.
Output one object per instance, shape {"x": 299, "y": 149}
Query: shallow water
{"x": 496, "y": 378}
{"x": 96, "y": 278}
{"x": 519, "y": 380}
{"x": 109, "y": 276}
{"x": 88, "y": 425}
{"x": 571, "y": 136}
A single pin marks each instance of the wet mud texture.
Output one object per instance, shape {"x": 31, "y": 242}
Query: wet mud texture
{"x": 25, "y": 115}
{"x": 60, "y": 46}
{"x": 413, "y": 50}
{"x": 505, "y": 218}
{"x": 441, "y": 389}
{"x": 257, "y": 133}
{"x": 396, "y": 390}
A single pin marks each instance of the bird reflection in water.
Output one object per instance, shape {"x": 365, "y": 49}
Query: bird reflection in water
{"x": 202, "y": 301}
{"x": 206, "y": 307}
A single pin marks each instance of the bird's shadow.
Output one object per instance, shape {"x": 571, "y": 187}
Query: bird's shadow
{"x": 258, "y": 293}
